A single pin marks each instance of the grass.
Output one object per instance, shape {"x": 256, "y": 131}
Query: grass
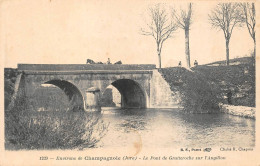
{"x": 52, "y": 130}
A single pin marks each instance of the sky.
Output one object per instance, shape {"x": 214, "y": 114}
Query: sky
{"x": 69, "y": 32}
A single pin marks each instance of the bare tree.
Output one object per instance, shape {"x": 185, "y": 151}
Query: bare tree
{"x": 184, "y": 21}
{"x": 160, "y": 27}
{"x": 249, "y": 18}
{"x": 226, "y": 16}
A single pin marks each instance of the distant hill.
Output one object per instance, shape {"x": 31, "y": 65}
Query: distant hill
{"x": 235, "y": 61}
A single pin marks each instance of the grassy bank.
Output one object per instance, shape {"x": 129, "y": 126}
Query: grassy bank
{"x": 204, "y": 86}
{"x": 239, "y": 77}
{"x": 198, "y": 96}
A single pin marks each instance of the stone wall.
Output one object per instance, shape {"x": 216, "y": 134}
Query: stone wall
{"x": 161, "y": 94}
{"x": 243, "y": 111}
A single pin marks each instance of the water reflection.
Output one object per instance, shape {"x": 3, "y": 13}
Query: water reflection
{"x": 171, "y": 128}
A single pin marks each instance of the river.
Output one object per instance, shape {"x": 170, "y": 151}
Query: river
{"x": 169, "y": 128}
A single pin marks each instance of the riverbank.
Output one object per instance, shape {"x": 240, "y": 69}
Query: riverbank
{"x": 242, "y": 111}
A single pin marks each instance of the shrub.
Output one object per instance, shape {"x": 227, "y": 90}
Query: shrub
{"x": 53, "y": 130}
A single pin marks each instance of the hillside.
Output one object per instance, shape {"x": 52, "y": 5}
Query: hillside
{"x": 204, "y": 86}
{"x": 239, "y": 77}
{"x": 198, "y": 96}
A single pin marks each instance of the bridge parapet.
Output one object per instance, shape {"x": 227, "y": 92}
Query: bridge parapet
{"x": 77, "y": 72}
{"x": 84, "y": 67}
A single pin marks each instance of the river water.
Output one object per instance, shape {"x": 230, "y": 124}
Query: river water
{"x": 169, "y": 128}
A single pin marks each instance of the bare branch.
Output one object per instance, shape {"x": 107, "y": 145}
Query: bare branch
{"x": 226, "y": 16}
{"x": 249, "y": 17}
{"x": 184, "y": 20}
{"x": 160, "y": 28}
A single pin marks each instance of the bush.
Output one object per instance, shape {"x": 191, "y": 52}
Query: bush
{"x": 53, "y": 130}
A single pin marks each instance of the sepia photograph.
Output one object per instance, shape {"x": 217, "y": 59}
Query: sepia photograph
{"x": 122, "y": 82}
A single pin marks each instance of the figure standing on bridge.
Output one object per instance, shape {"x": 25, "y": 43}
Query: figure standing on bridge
{"x": 179, "y": 65}
{"x": 195, "y": 63}
{"x": 108, "y": 61}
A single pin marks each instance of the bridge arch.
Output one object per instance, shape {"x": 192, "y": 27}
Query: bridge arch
{"x": 74, "y": 95}
{"x": 110, "y": 97}
{"x": 132, "y": 93}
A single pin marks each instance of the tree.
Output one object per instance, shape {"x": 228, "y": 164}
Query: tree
{"x": 160, "y": 27}
{"x": 226, "y": 16}
{"x": 184, "y": 21}
{"x": 249, "y": 18}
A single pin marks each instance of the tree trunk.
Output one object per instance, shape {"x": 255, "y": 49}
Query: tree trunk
{"x": 187, "y": 47}
{"x": 159, "y": 54}
{"x": 227, "y": 52}
{"x": 159, "y": 58}
{"x": 254, "y": 48}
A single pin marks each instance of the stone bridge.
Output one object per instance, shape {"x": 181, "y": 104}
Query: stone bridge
{"x": 140, "y": 86}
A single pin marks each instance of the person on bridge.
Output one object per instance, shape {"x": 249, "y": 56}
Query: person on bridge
{"x": 179, "y": 64}
{"x": 108, "y": 61}
{"x": 195, "y": 63}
